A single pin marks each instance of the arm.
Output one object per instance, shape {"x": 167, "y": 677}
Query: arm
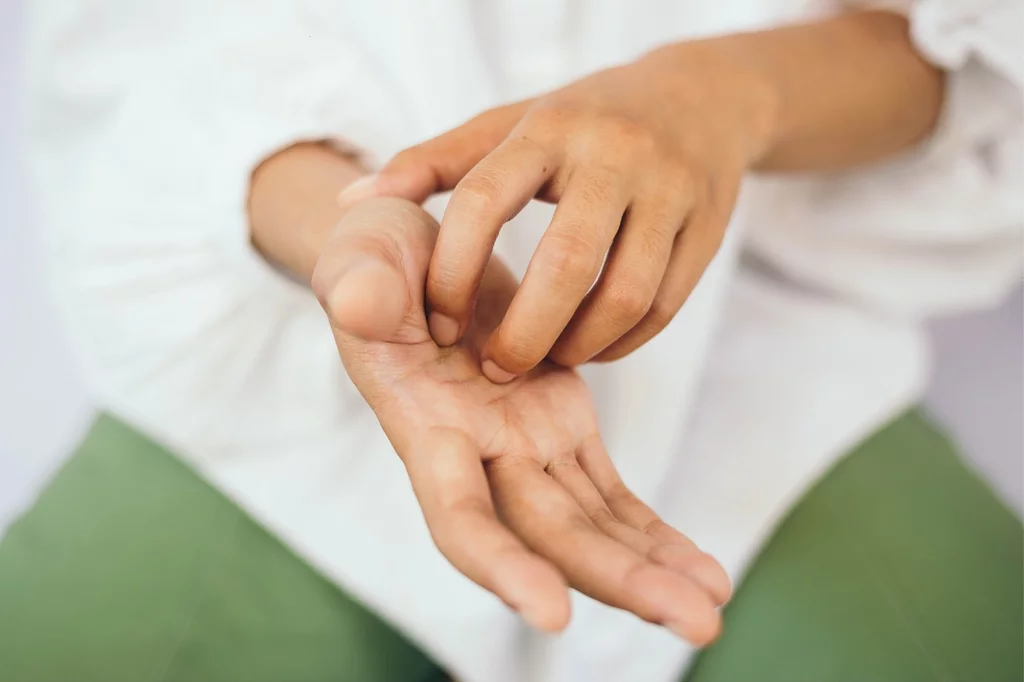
{"x": 935, "y": 232}
{"x": 840, "y": 92}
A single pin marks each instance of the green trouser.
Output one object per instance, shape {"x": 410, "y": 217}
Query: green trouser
{"x": 898, "y": 566}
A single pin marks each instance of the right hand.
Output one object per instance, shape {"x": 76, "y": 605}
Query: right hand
{"x": 514, "y": 481}
{"x": 645, "y": 166}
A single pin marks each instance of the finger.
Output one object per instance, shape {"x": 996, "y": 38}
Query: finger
{"x": 594, "y": 461}
{"x": 488, "y": 197}
{"x": 694, "y": 248}
{"x": 550, "y": 522}
{"x": 629, "y": 282}
{"x": 449, "y": 481}
{"x": 567, "y": 473}
{"x": 369, "y": 277}
{"x": 438, "y": 164}
{"x": 562, "y": 270}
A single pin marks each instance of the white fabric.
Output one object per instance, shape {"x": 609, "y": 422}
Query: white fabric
{"x": 148, "y": 117}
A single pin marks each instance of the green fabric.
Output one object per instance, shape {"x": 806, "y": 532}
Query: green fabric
{"x": 898, "y": 566}
{"x": 130, "y": 568}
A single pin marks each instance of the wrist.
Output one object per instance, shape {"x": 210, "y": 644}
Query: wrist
{"x": 293, "y": 205}
{"x": 724, "y": 73}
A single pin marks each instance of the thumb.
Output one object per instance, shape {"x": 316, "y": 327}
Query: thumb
{"x": 438, "y": 164}
{"x": 370, "y": 275}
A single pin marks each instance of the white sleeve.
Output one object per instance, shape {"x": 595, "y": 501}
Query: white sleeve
{"x": 939, "y": 229}
{"x": 147, "y": 119}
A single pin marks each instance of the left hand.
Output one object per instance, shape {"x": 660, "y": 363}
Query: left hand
{"x": 644, "y": 162}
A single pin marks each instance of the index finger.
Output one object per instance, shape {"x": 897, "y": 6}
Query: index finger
{"x": 438, "y": 164}
{"x": 489, "y": 196}
{"x": 565, "y": 265}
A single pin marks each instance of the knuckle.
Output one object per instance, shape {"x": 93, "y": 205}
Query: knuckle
{"x": 600, "y": 185}
{"x": 516, "y": 354}
{"x": 527, "y": 144}
{"x": 660, "y": 313}
{"x": 636, "y": 137}
{"x": 629, "y": 300}
{"x": 548, "y": 118}
{"x": 574, "y": 256}
{"x": 680, "y": 184}
{"x": 481, "y": 188}
{"x": 656, "y": 242}
{"x": 699, "y": 187}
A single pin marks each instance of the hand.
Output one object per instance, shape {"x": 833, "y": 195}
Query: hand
{"x": 644, "y": 161}
{"x": 514, "y": 482}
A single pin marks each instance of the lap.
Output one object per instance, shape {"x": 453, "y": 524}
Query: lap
{"x": 130, "y": 567}
{"x": 900, "y": 565}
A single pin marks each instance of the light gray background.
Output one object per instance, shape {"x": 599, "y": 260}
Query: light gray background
{"x": 978, "y": 388}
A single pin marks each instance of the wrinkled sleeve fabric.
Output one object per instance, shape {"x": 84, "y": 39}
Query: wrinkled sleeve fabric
{"x": 147, "y": 120}
{"x": 937, "y": 230}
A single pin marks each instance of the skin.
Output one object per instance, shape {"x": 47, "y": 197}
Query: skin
{"x": 645, "y": 163}
{"x": 514, "y": 482}
{"x": 466, "y": 369}
{"x": 528, "y": 452}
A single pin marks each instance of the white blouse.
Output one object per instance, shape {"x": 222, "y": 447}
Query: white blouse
{"x": 802, "y": 338}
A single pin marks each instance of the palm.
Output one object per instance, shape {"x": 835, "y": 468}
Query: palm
{"x": 545, "y": 415}
{"x": 527, "y": 452}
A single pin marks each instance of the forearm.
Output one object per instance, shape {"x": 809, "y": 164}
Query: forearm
{"x": 843, "y": 91}
{"x": 293, "y": 204}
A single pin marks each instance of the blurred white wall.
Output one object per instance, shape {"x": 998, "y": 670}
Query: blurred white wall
{"x": 43, "y": 406}
{"x": 978, "y": 390}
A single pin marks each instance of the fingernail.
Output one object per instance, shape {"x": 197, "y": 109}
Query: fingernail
{"x": 495, "y": 373}
{"x": 444, "y": 329}
{"x": 363, "y": 188}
